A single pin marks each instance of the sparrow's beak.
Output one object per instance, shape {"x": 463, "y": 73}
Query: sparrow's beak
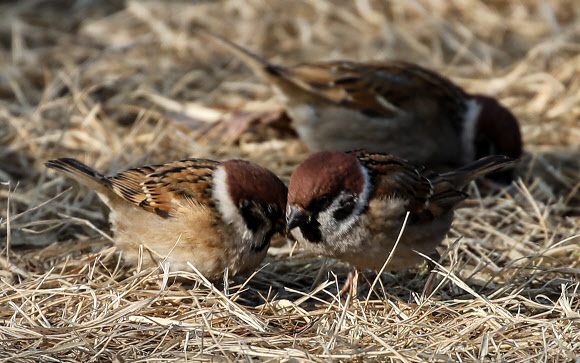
{"x": 296, "y": 218}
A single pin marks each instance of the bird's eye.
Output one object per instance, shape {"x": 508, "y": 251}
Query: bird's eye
{"x": 322, "y": 202}
{"x": 272, "y": 209}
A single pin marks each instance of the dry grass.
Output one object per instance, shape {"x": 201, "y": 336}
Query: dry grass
{"x": 118, "y": 84}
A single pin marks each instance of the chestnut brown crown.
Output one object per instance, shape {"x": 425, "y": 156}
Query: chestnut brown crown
{"x": 325, "y": 175}
{"x": 249, "y": 181}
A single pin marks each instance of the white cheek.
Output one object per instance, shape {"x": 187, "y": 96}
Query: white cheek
{"x": 228, "y": 210}
{"x": 222, "y": 198}
{"x": 333, "y": 229}
{"x": 330, "y": 227}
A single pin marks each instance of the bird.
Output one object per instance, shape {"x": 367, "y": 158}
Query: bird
{"x": 352, "y": 206}
{"x": 394, "y": 107}
{"x": 215, "y": 215}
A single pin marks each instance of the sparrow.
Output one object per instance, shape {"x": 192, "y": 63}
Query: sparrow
{"x": 214, "y": 215}
{"x": 352, "y": 206}
{"x": 393, "y": 107}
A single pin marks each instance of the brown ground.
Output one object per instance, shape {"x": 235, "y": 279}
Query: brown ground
{"x": 120, "y": 84}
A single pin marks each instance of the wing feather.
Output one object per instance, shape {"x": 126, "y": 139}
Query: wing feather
{"x": 376, "y": 89}
{"x": 426, "y": 193}
{"x": 384, "y": 89}
{"x": 165, "y": 189}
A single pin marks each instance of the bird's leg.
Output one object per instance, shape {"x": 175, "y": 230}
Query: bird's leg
{"x": 351, "y": 284}
{"x": 430, "y": 284}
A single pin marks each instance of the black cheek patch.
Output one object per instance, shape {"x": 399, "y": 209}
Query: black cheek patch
{"x": 253, "y": 221}
{"x": 345, "y": 210}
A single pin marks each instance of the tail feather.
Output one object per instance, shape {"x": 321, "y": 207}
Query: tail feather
{"x": 489, "y": 164}
{"x": 81, "y": 173}
{"x": 258, "y": 64}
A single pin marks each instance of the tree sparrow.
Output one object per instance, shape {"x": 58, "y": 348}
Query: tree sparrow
{"x": 393, "y": 107}
{"x": 351, "y": 206}
{"x": 215, "y": 215}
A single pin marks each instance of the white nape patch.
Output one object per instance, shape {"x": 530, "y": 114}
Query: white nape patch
{"x": 469, "y": 126}
{"x": 340, "y": 228}
{"x": 364, "y": 196}
{"x": 229, "y": 211}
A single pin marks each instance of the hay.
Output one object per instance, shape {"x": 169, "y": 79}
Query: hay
{"x": 121, "y": 84}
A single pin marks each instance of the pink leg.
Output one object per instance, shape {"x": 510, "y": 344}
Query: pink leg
{"x": 351, "y": 284}
{"x": 432, "y": 279}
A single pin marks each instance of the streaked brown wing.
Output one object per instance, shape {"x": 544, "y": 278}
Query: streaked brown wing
{"x": 428, "y": 195}
{"x": 382, "y": 89}
{"x": 163, "y": 189}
